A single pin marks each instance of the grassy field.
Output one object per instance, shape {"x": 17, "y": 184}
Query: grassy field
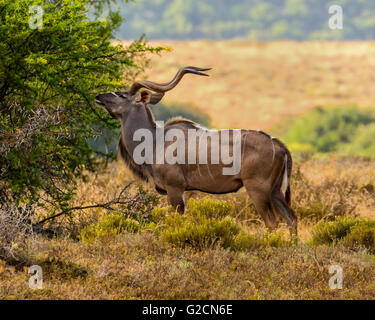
{"x": 144, "y": 264}
{"x": 159, "y": 255}
{"x": 254, "y": 85}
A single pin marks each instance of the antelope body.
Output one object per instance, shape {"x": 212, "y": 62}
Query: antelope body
{"x": 266, "y": 163}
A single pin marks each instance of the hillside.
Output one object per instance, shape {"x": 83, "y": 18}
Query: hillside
{"x": 246, "y": 19}
{"x": 254, "y": 85}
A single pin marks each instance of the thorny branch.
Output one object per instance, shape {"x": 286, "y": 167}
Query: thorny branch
{"x": 121, "y": 199}
{"x": 41, "y": 121}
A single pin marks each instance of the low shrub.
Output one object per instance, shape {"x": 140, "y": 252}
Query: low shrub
{"x": 157, "y": 219}
{"x": 245, "y": 241}
{"x": 209, "y": 208}
{"x": 362, "y": 236}
{"x": 351, "y": 232}
{"x": 207, "y": 223}
{"x": 16, "y": 233}
{"x": 333, "y": 231}
{"x": 110, "y": 225}
{"x": 158, "y": 214}
{"x": 199, "y": 231}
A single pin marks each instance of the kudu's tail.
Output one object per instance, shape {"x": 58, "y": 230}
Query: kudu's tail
{"x": 286, "y": 178}
{"x": 287, "y": 172}
{"x": 288, "y": 196}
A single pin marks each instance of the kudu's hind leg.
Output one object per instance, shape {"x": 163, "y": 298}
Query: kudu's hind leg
{"x": 176, "y": 199}
{"x": 261, "y": 198}
{"x": 281, "y": 207}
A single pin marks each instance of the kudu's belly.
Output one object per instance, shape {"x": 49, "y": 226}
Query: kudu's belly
{"x": 210, "y": 178}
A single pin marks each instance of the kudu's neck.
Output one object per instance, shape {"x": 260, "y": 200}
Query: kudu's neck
{"x": 137, "y": 118}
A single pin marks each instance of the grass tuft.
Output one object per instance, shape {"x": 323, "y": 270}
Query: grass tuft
{"x": 110, "y": 225}
{"x": 351, "y": 232}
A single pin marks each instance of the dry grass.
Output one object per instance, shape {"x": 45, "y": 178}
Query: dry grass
{"x": 253, "y": 85}
{"x": 143, "y": 266}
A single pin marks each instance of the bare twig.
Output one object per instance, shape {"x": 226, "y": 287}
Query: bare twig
{"x": 108, "y": 206}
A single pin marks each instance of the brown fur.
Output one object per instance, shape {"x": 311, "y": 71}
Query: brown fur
{"x": 150, "y": 115}
{"x": 264, "y": 160}
{"x": 177, "y": 120}
{"x": 138, "y": 170}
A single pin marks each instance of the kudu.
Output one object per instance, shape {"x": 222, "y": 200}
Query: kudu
{"x": 265, "y": 167}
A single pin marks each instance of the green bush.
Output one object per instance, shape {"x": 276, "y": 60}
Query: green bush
{"x": 363, "y": 142}
{"x": 351, "y": 232}
{"x": 333, "y": 231}
{"x": 332, "y": 129}
{"x": 156, "y": 220}
{"x": 207, "y": 223}
{"x": 158, "y": 215}
{"x": 209, "y": 208}
{"x": 110, "y": 225}
{"x": 199, "y": 232}
{"x": 362, "y": 235}
{"x": 204, "y": 224}
{"x": 245, "y": 241}
{"x": 48, "y": 80}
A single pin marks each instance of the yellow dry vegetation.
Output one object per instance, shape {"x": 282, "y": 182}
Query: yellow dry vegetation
{"x": 254, "y": 85}
{"x": 142, "y": 265}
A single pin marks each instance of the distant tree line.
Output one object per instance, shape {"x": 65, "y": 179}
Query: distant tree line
{"x": 246, "y": 19}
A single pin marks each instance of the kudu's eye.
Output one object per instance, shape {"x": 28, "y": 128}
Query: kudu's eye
{"x": 122, "y": 94}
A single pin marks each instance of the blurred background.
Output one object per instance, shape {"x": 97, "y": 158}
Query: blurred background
{"x": 277, "y": 66}
{"x": 246, "y": 19}
{"x": 293, "y": 68}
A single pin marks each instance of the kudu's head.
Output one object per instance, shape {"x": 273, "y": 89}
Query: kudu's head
{"x": 119, "y": 103}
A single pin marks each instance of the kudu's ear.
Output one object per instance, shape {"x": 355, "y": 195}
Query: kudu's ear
{"x": 156, "y": 97}
{"x": 144, "y": 96}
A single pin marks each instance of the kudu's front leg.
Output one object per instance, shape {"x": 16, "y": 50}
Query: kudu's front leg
{"x": 176, "y": 199}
